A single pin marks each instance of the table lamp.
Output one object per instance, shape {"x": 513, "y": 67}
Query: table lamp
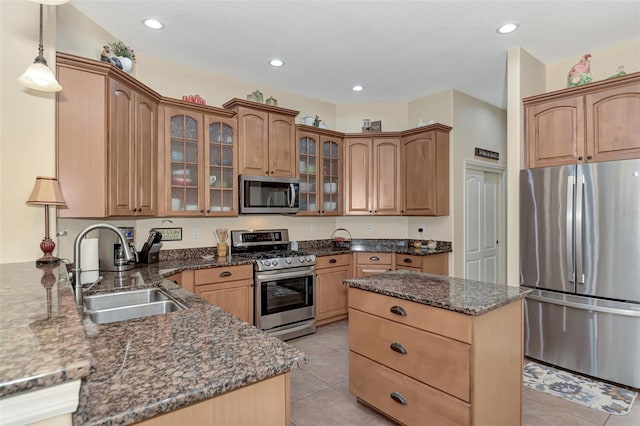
{"x": 46, "y": 192}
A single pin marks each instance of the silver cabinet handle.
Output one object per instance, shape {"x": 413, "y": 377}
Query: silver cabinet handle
{"x": 225, "y": 274}
{"x": 398, "y": 347}
{"x": 398, "y": 397}
{"x": 398, "y": 310}
{"x": 374, "y": 258}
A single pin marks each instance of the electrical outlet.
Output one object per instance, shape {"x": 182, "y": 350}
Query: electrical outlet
{"x": 421, "y": 229}
{"x": 195, "y": 233}
{"x": 369, "y": 227}
{"x": 314, "y": 228}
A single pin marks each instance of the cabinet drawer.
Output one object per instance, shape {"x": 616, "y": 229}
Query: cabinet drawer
{"x": 332, "y": 261}
{"x": 223, "y": 274}
{"x": 374, "y": 258}
{"x": 409, "y": 260}
{"x": 374, "y": 384}
{"x": 436, "y": 320}
{"x": 408, "y": 268}
{"x": 435, "y": 360}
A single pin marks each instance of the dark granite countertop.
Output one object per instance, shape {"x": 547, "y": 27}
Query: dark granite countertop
{"x": 42, "y": 341}
{"x": 134, "y": 369}
{"x": 331, "y": 248}
{"x": 454, "y": 294}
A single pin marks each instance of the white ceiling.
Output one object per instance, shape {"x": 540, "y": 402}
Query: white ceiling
{"x": 398, "y": 50}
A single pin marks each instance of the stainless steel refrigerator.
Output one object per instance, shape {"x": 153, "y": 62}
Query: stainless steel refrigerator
{"x": 580, "y": 251}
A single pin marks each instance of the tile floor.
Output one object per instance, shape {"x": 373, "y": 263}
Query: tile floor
{"x": 320, "y": 392}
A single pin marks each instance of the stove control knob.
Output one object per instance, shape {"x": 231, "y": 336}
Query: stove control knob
{"x": 308, "y": 258}
{"x": 274, "y": 263}
{"x": 289, "y": 260}
{"x": 301, "y": 259}
{"x": 266, "y": 263}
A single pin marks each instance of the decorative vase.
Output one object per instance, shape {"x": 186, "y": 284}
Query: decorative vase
{"x": 127, "y": 64}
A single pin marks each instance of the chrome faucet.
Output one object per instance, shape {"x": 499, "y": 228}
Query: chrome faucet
{"x": 77, "y": 282}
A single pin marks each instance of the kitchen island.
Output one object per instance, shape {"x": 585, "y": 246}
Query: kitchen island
{"x": 139, "y": 369}
{"x": 426, "y": 346}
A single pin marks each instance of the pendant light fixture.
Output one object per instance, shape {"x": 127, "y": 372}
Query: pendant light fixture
{"x": 38, "y": 75}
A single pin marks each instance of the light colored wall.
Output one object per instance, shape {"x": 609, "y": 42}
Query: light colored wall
{"x": 393, "y": 116}
{"x": 27, "y": 130}
{"x": 78, "y": 35}
{"x": 475, "y": 124}
{"x": 525, "y": 77}
{"x": 604, "y": 64}
{"x": 437, "y": 107}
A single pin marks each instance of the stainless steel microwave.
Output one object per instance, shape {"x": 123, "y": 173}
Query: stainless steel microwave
{"x": 266, "y": 194}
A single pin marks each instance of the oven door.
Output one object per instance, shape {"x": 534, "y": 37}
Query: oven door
{"x": 284, "y": 297}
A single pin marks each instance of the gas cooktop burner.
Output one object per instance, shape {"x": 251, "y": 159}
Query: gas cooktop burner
{"x": 269, "y": 248}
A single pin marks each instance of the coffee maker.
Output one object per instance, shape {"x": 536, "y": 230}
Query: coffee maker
{"x": 112, "y": 256}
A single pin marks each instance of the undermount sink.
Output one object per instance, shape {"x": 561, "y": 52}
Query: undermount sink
{"x": 126, "y": 305}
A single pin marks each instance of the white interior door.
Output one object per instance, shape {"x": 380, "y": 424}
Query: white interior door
{"x": 482, "y": 211}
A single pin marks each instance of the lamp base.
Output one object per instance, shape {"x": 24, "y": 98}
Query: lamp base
{"x": 47, "y": 246}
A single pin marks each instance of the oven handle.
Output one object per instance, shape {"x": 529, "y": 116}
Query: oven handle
{"x": 285, "y": 275}
{"x": 292, "y": 195}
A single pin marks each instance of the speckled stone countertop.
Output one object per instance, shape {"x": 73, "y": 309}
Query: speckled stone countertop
{"x": 42, "y": 341}
{"x": 131, "y": 370}
{"x": 454, "y": 294}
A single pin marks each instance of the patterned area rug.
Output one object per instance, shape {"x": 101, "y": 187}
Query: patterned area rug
{"x": 581, "y": 390}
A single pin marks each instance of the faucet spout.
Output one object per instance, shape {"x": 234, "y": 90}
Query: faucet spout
{"x": 77, "y": 282}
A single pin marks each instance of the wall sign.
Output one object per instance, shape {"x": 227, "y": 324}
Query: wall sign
{"x": 480, "y": 152}
{"x": 170, "y": 234}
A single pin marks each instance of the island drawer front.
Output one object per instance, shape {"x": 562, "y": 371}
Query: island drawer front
{"x": 435, "y": 360}
{"x": 408, "y": 268}
{"x": 436, "y": 320}
{"x": 374, "y": 383}
{"x": 333, "y": 261}
{"x": 223, "y": 274}
{"x": 374, "y": 258}
{"x": 409, "y": 260}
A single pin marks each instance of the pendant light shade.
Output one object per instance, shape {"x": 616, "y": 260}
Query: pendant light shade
{"x": 38, "y": 75}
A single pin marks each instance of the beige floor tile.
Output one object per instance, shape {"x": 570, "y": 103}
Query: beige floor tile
{"x": 631, "y": 419}
{"x": 311, "y": 346}
{"x": 304, "y": 384}
{"x": 329, "y": 407}
{"x": 331, "y": 368}
{"x": 337, "y": 339}
{"x": 540, "y": 409}
{"x": 343, "y": 388}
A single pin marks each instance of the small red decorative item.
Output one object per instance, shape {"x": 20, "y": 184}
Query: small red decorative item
{"x": 194, "y": 99}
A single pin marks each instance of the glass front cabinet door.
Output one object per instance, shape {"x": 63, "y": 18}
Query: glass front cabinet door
{"x": 319, "y": 167}
{"x": 185, "y": 131}
{"x": 221, "y": 174}
{"x": 202, "y": 164}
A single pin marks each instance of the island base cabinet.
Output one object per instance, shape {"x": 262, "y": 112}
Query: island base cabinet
{"x": 402, "y": 398}
{"x": 264, "y": 403}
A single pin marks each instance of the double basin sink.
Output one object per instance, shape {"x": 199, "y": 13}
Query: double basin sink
{"x": 127, "y": 305}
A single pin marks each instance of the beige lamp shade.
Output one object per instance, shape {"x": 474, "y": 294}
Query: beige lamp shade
{"x": 39, "y": 77}
{"x": 46, "y": 191}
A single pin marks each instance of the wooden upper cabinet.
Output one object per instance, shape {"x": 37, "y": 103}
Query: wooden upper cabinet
{"x": 266, "y": 139}
{"x": 319, "y": 154}
{"x": 613, "y": 123}
{"x": 425, "y": 172}
{"x": 200, "y": 161}
{"x": 595, "y": 122}
{"x": 133, "y": 152}
{"x": 372, "y": 176}
{"x": 106, "y": 141}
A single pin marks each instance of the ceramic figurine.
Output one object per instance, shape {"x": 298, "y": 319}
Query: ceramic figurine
{"x": 105, "y": 56}
{"x": 620, "y": 72}
{"x": 580, "y": 73}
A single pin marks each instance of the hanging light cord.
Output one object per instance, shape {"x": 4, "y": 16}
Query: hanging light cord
{"x": 40, "y": 59}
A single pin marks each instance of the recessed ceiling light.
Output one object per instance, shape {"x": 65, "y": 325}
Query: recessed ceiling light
{"x": 276, "y": 62}
{"x": 357, "y": 88}
{"x": 508, "y": 28}
{"x": 152, "y": 23}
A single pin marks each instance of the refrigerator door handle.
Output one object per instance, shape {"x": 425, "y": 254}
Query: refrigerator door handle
{"x": 595, "y": 308}
{"x": 570, "y": 258}
{"x": 579, "y": 212}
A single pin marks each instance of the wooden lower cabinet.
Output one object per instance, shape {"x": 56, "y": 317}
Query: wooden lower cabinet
{"x": 431, "y": 363}
{"x": 263, "y": 403}
{"x": 432, "y": 264}
{"x": 230, "y": 288}
{"x": 331, "y": 294}
{"x": 368, "y": 264}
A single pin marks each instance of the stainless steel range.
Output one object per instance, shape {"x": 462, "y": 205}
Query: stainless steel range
{"x": 284, "y": 282}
